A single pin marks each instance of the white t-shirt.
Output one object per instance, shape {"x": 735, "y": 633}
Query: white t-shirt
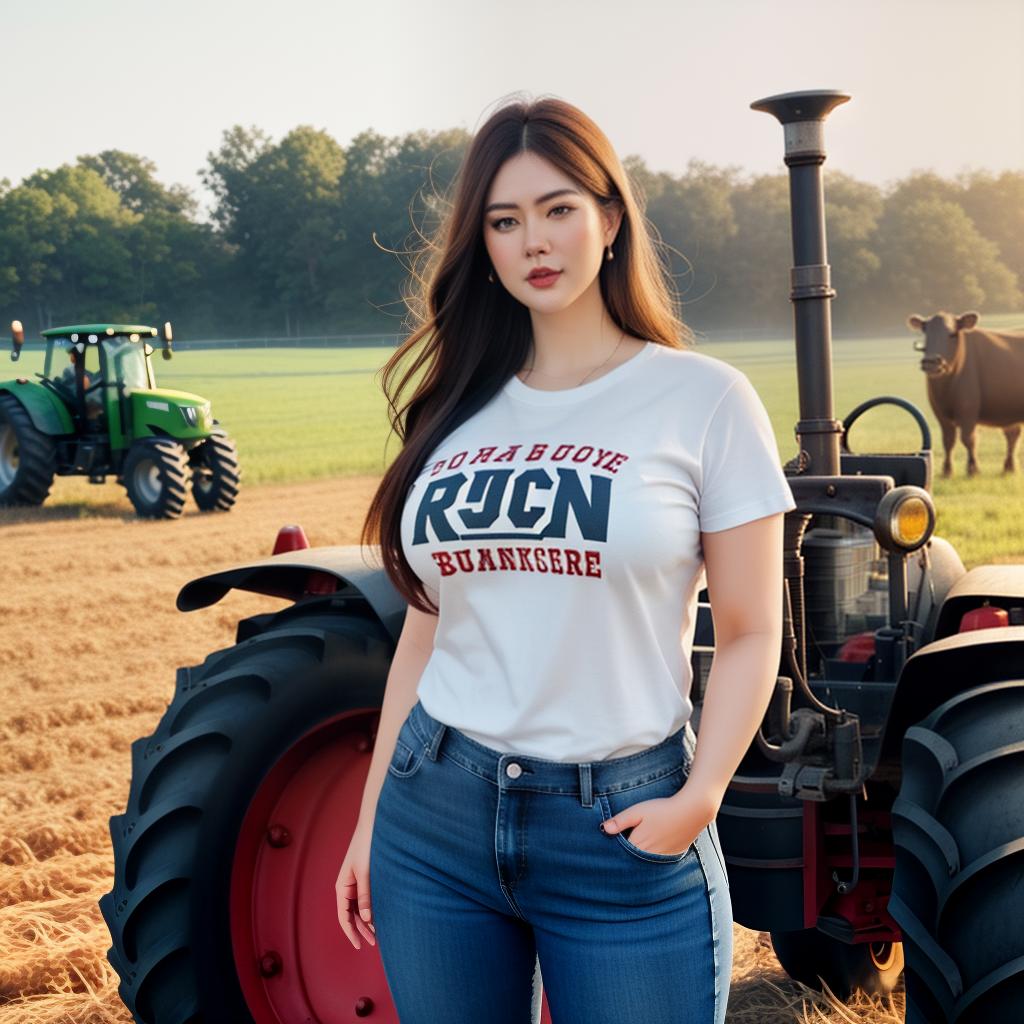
{"x": 559, "y": 534}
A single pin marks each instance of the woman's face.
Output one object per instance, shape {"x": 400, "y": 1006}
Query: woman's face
{"x": 566, "y": 231}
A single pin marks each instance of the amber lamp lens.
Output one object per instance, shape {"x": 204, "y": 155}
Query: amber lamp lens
{"x": 910, "y": 521}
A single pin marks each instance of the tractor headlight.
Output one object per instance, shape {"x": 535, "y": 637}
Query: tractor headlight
{"x": 905, "y": 519}
{"x": 191, "y": 414}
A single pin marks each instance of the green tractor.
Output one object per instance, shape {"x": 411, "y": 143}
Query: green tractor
{"x": 95, "y": 410}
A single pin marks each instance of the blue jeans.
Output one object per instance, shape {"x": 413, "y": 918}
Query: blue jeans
{"x": 489, "y": 876}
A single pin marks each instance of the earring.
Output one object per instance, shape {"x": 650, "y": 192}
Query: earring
{"x": 609, "y": 254}
{"x": 490, "y": 276}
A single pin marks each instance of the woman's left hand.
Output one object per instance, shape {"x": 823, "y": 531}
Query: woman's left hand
{"x": 667, "y": 825}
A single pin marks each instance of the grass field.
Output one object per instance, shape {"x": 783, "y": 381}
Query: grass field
{"x": 307, "y": 414}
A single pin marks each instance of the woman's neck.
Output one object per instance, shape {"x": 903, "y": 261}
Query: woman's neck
{"x": 573, "y": 340}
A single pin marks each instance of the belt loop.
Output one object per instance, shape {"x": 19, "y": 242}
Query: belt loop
{"x": 435, "y": 741}
{"x": 586, "y": 793}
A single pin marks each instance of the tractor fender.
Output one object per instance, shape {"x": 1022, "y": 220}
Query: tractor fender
{"x": 1000, "y": 585}
{"x": 286, "y": 575}
{"x": 940, "y": 670}
{"x": 48, "y": 413}
{"x": 936, "y": 568}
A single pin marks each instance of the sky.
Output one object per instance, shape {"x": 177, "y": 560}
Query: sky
{"x": 935, "y": 84}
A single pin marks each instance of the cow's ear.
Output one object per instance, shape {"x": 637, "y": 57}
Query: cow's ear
{"x": 916, "y": 322}
{"x": 966, "y": 321}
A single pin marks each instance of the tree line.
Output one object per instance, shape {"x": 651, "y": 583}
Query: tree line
{"x": 309, "y": 237}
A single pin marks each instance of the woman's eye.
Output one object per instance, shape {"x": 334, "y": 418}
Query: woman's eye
{"x": 501, "y": 220}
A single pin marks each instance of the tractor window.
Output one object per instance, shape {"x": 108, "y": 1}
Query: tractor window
{"x": 63, "y": 369}
{"x": 129, "y": 363}
{"x": 92, "y": 360}
{"x": 57, "y": 359}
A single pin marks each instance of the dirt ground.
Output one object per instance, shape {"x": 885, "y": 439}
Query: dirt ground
{"x": 90, "y": 641}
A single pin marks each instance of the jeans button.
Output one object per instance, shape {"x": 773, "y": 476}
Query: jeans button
{"x": 513, "y": 770}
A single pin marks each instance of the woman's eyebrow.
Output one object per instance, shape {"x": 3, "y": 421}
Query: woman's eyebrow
{"x": 540, "y": 199}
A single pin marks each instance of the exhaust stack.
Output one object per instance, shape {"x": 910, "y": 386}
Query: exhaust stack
{"x": 802, "y": 115}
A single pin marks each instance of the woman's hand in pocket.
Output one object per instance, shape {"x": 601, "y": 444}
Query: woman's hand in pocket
{"x": 666, "y": 825}
{"x": 353, "y": 889}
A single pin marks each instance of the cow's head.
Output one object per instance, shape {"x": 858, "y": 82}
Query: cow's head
{"x": 943, "y": 341}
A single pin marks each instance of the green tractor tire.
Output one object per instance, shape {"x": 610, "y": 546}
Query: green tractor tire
{"x": 27, "y": 457}
{"x": 155, "y": 474}
{"x": 812, "y": 957}
{"x": 216, "y": 475}
{"x": 958, "y": 827}
{"x": 239, "y": 811}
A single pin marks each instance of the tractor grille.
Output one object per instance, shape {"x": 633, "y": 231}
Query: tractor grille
{"x": 846, "y": 581}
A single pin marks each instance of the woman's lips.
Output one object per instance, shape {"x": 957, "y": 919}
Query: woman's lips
{"x": 544, "y": 280}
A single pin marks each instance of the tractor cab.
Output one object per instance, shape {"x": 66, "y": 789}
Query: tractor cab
{"x": 94, "y": 366}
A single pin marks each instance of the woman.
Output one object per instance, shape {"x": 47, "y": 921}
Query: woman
{"x": 570, "y": 471}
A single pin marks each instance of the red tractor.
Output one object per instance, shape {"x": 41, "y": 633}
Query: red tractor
{"x": 874, "y": 827}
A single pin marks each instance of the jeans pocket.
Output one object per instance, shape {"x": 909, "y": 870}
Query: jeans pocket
{"x": 408, "y": 753}
{"x": 612, "y": 803}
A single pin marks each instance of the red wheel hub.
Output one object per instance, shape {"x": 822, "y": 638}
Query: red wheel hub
{"x": 293, "y": 960}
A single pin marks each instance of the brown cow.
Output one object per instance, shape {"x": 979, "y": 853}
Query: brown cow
{"x": 974, "y": 376}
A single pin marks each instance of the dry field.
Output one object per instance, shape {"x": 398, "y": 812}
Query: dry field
{"x": 91, "y": 639}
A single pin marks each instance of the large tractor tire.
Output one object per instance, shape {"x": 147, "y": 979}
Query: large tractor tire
{"x": 240, "y": 809}
{"x": 958, "y": 887}
{"x": 155, "y": 474}
{"x": 216, "y": 475}
{"x": 812, "y": 957}
{"x": 28, "y": 458}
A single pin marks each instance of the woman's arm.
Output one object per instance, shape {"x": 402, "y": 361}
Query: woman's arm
{"x": 743, "y": 566}
{"x": 415, "y": 645}
{"x": 744, "y": 576}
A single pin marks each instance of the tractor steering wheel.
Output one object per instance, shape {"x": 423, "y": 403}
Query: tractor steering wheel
{"x": 54, "y": 387}
{"x": 57, "y": 389}
{"x": 922, "y": 423}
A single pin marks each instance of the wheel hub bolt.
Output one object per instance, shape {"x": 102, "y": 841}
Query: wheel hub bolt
{"x": 270, "y": 964}
{"x": 278, "y": 836}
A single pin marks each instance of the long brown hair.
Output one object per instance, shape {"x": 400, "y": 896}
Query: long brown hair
{"x": 472, "y": 335}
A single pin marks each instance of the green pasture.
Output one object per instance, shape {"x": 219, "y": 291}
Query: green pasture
{"x": 302, "y": 414}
